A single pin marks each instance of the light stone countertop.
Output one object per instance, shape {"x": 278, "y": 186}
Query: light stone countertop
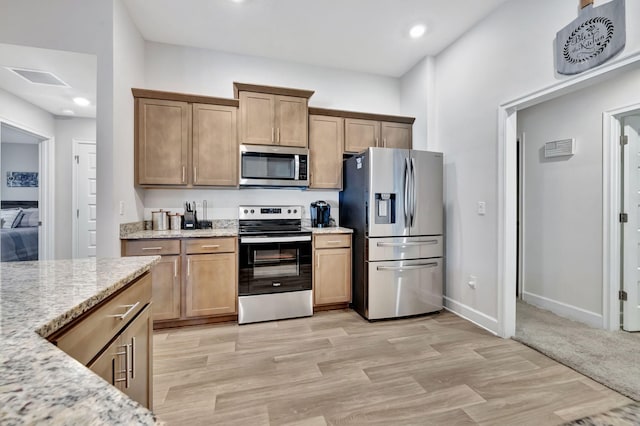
{"x": 38, "y": 382}
{"x": 331, "y": 230}
{"x": 231, "y": 231}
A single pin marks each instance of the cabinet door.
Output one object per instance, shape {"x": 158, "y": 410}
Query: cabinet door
{"x": 257, "y": 121}
{"x": 326, "y": 144}
{"x": 108, "y": 364}
{"x": 332, "y": 276}
{"x": 291, "y": 121}
{"x": 163, "y": 131}
{"x": 360, "y": 134}
{"x": 396, "y": 135}
{"x": 211, "y": 286}
{"x": 215, "y": 146}
{"x": 165, "y": 276}
{"x": 138, "y": 339}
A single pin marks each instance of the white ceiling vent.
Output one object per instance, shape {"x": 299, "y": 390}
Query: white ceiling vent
{"x": 39, "y": 77}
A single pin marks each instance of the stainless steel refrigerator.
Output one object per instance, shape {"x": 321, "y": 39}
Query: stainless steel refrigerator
{"x": 392, "y": 199}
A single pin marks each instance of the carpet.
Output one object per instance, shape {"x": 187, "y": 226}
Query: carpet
{"x": 608, "y": 357}
{"x": 629, "y": 415}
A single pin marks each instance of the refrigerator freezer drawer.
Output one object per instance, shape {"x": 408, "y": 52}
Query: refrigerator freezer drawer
{"x": 398, "y": 289}
{"x": 402, "y": 248}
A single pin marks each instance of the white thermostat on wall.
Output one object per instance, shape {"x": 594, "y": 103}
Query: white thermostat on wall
{"x": 560, "y": 148}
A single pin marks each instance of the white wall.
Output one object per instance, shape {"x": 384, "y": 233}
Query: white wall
{"x": 18, "y": 157}
{"x": 84, "y": 26}
{"x": 507, "y": 55}
{"x": 417, "y": 93}
{"x": 67, "y": 129}
{"x": 20, "y": 113}
{"x": 118, "y": 157}
{"x": 563, "y": 198}
{"x": 212, "y": 73}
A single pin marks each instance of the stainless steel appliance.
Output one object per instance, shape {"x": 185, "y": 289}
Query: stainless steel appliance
{"x": 160, "y": 220}
{"x": 275, "y": 264}
{"x": 320, "y": 214}
{"x": 279, "y": 166}
{"x": 392, "y": 198}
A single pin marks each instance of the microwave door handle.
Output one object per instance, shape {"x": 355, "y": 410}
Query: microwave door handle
{"x": 296, "y": 171}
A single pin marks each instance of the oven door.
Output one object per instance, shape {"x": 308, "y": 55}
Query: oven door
{"x": 274, "y": 264}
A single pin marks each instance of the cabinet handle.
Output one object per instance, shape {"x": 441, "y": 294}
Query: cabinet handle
{"x": 184, "y": 171}
{"x": 188, "y": 266}
{"x": 126, "y": 367}
{"x": 384, "y": 142}
{"x": 210, "y": 246}
{"x": 273, "y": 137}
{"x": 151, "y": 248}
{"x": 317, "y": 262}
{"x": 334, "y": 242}
{"x": 175, "y": 268}
{"x": 278, "y": 134}
{"x": 133, "y": 357}
{"x": 376, "y": 141}
{"x": 127, "y": 313}
{"x": 195, "y": 174}
{"x": 113, "y": 371}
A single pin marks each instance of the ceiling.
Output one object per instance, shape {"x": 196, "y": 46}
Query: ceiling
{"x": 360, "y": 35}
{"x": 76, "y": 69}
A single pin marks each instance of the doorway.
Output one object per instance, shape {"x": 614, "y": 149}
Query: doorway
{"x": 27, "y": 174}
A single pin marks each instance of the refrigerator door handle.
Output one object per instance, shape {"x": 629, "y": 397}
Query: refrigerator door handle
{"x": 409, "y": 244}
{"x": 413, "y": 190}
{"x": 407, "y": 184}
{"x": 408, "y": 267}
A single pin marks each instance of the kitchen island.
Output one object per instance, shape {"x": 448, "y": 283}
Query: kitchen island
{"x": 38, "y": 382}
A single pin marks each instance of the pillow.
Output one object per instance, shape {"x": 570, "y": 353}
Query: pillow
{"x": 11, "y": 217}
{"x": 28, "y": 219}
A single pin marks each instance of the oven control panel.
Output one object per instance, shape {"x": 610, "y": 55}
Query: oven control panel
{"x": 269, "y": 212}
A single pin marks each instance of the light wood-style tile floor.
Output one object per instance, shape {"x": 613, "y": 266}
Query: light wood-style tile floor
{"x": 336, "y": 368}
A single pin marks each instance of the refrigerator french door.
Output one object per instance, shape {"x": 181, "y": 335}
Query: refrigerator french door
{"x": 393, "y": 199}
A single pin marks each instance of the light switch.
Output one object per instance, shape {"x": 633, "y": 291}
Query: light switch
{"x": 482, "y": 208}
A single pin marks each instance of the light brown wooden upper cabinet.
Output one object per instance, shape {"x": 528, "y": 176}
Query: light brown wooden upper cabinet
{"x": 396, "y": 135}
{"x": 362, "y": 134}
{"x": 215, "y": 149}
{"x": 185, "y": 140}
{"x": 326, "y": 144}
{"x": 273, "y": 115}
{"x": 162, "y": 144}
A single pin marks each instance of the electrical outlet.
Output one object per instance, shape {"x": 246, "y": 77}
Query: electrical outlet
{"x": 121, "y": 208}
{"x": 473, "y": 281}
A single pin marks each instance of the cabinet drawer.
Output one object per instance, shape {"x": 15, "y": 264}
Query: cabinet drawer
{"x": 92, "y": 332}
{"x": 151, "y": 247}
{"x": 332, "y": 241}
{"x": 211, "y": 245}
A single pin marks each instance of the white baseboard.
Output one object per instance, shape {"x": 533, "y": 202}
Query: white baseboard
{"x": 478, "y": 318}
{"x": 565, "y": 310}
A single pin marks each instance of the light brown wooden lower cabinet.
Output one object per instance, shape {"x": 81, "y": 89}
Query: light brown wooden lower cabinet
{"x": 196, "y": 280}
{"x": 125, "y": 363}
{"x": 332, "y": 269}
{"x": 208, "y": 284}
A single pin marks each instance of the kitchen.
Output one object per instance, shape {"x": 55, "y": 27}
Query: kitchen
{"x": 158, "y": 54}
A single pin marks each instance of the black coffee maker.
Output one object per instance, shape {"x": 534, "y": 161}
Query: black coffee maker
{"x": 320, "y": 214}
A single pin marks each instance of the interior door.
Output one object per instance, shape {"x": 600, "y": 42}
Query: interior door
{"x": 631, "y": 229}
{"x": 426, "y": 198}
{"x": 85, "y": 206}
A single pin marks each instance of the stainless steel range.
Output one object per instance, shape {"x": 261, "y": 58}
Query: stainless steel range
{"x": 275, "y": 264}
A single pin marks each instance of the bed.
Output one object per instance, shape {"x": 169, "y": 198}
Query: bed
{"x": 19, "y": 231}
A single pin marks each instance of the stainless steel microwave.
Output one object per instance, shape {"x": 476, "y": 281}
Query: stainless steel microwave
{"x": 279, "y": 166}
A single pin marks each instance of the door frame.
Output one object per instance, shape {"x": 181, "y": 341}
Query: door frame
{"x": 46, "y": 188}
{"x": 507, "y": 191}
{"x": 74, "y": 197}
{"x": 611, "y": 132}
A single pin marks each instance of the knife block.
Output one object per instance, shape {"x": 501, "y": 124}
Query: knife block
{"x": 190, "y": 220}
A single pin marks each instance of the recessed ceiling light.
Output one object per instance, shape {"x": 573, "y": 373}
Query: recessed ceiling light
{"x": 81, "y": 101}
{"x": 68, "y": 112}
{"x": 417, "y": 31}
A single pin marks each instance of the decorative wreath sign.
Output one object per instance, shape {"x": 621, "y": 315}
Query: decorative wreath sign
{"x": 593, "y": 38}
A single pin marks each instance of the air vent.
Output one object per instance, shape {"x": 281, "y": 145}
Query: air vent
{"x": 39, "y": 77}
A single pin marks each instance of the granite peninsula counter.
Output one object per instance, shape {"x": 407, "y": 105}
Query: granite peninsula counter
{"x": 38, "y": 382}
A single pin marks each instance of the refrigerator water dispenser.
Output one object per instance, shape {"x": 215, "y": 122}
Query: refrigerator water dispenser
{"x": 385, "y": 208}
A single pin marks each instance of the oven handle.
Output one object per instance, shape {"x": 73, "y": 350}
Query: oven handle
{"x": 266, "y": 240}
